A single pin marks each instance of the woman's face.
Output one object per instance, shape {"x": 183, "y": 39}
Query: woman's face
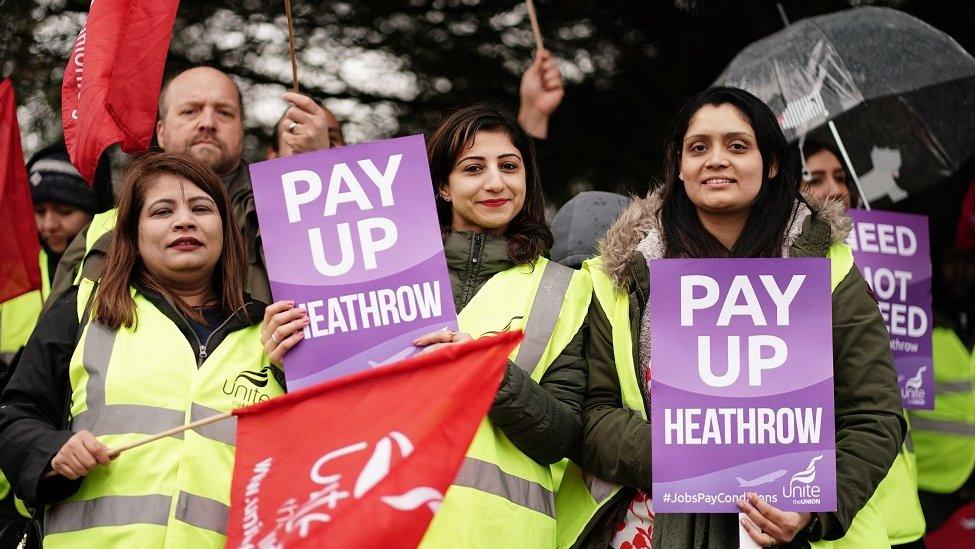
{"x": 828, "y": 180}
{"x": 721, "y": 167}
{"x": 58, "y": 223}
{"x": 181, "y": 233}
{"x": 486, "y": 187}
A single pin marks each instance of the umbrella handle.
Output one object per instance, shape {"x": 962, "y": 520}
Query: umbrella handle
{"x": 850, "y": 165}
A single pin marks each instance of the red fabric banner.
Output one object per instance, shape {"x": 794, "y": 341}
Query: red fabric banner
{"x": 363, "y": 460}
{"x": 111, "y": 84}
{"x": 19, "y": 247}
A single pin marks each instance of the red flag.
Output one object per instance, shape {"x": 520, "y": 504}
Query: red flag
{"x": 19, "y": 270}
{"x": 955, "y": 533}
{"x": 111, "y": 84}
{"x": 363, "y": 460}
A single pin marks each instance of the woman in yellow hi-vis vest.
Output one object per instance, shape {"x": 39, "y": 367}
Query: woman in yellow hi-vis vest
{"x": 490, "y": 205}
{"x": 166, "y": 336}
{"x": 730, "y": 190}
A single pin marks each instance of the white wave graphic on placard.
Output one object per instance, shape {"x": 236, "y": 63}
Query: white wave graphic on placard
{"x": 807, "y": 475}
{"x": 422, "y": 495}
{"x": 765, "y": 479}
{"x": 915, "y": 382}
{"x": 394, "y": 358}
{"x": 378, "y": 465}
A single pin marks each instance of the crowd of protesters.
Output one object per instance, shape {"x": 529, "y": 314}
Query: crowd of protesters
{"x": 154, "y": 301}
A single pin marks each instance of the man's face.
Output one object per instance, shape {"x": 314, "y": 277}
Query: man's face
{"x": 201, "y": 116}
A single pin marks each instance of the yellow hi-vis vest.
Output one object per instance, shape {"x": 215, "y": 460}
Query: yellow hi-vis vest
{"x": 581, "y": 494}
{"x": 897, "y": 498}
{"x": 132, "y": 382}
{"x": 501, "y": 497}
{"x": 19, "y": 315}
{"x": 101, "y": 224}
{"x": 944, "y": 436}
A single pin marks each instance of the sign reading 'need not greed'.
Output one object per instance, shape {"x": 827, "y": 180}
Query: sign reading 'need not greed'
{"x": 351, "y": 235}
{"x": 892, "y": 251}
{"x": 741, "y": 384}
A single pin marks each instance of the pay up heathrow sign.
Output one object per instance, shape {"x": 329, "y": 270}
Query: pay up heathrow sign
{"x": 351, "y": 235}
{"x": 741, "y": 384}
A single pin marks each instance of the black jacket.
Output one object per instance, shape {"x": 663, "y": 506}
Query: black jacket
{"x": 34, "y": 407}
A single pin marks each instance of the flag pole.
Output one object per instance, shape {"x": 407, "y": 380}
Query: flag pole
{"x": 535, "y": 24}
{"x": 291, "y": 47}
{"x": 850, "y": 166}
{"x": 114, "y": 452}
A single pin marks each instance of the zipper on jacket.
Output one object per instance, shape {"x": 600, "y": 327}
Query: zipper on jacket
{"x": 477, "y": 249}
{"x": 203, "y": 348}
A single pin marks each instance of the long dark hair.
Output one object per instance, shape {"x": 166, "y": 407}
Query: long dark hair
{"x": 528, "y": 234}
{"x": 123, "y": 266}
{"x": 775, "y": 206}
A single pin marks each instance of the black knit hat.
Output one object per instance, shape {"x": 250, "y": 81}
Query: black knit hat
{"x": 53, "y": 179}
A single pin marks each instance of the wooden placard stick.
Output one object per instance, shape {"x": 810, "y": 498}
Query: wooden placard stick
{"x": 535, "y": 24}
{"x": 291, "y": 47}
{"x": 114, "y": 452}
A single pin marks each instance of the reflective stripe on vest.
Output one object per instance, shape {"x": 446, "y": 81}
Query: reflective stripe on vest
{"x": 488, "y": 477}
{"x": 501, "y": 497}
{"x": 944, "y": 436}
{"x": 575, "y": 506}
{"x": 135, "y": 381}
{"x": 543, "y": 315}
{"x": 950, "y": 427}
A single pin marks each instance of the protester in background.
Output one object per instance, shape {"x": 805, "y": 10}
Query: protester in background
{"x": 730, "y": 190}
{"x": 153, "y": 344}
{"x": 305, "y": 126}
{"x": 895, "y": 498}
{"x": 490, "y": 205}
{"x": 63, "y": 204}
{"x": 200, "y": 114}
{"x": 828, "y": 179}
{"x": 581, "y": 223}
{"x": 944, "y": 436}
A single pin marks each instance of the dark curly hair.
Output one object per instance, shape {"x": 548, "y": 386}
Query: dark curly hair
{"x": 528, "y": 234}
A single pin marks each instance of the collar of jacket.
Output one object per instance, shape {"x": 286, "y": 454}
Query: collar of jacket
{"x": 253, "y": 310}
{"x": 636, "y": 236}
{"x": 460, "y": 247}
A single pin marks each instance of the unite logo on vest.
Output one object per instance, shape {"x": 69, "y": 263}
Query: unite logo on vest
{"x": 246, "y": 388}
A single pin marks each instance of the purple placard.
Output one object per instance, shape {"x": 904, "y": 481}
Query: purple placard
{"x": 761, "y": 422}
{"x": 351, "y": 235}
{"x": 892, "y": 251}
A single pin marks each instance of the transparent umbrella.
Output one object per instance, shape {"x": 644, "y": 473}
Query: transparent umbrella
{"x": 895, "y": 94}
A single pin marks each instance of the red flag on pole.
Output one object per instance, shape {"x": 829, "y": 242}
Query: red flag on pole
{"x": 111, "y": 84}
{"x": 19, "y": 247}
{"x": 364, "y": 460}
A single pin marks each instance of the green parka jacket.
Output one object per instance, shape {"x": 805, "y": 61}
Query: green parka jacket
{"x": 541, "y": 419}
{"x": 616, "y": 441}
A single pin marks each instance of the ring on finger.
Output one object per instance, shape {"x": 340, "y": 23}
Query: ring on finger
{"x": 291, "y": 127}
{"x": 275, "y": 339}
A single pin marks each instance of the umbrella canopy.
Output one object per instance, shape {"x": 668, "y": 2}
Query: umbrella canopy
{"x": 900, "y": 93}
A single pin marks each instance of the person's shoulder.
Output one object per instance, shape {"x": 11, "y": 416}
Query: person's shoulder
{"x": 61, "y": 318}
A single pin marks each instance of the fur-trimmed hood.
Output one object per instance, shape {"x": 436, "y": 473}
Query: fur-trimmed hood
{"x": 639, "y": 229}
